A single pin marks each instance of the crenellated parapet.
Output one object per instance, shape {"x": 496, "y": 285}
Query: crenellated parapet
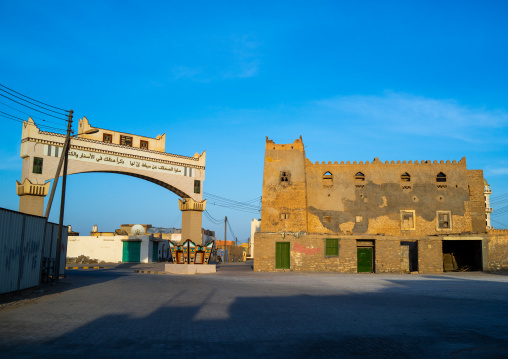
{"x": 376, "y": 161}
{"x": 188, "y": 204}
{"x": 28, "y": 188}
{"x": 498, "y": 231}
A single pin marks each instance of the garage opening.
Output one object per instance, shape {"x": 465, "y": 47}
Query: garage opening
{"x": 462, "y": 256}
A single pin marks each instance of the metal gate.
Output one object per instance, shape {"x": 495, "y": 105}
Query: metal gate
{"x": 282, "y": 255}
{"x": 155, "y": 251}
{"x": 131, "y": 252}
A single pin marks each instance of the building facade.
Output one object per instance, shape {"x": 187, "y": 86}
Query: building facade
{"x": 374, "y": 216}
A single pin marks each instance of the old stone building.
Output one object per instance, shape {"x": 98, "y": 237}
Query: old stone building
{"x": 383, "y": 217}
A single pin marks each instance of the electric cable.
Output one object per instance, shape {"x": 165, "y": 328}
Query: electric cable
{"x": 47, "y": 114}
{"x": 45, "y": 104}
{"x": 224, "y": 200}
{"x": 26, "y": 113}
{"x": 20, "y": 120}
{"x": 504, "y": 225}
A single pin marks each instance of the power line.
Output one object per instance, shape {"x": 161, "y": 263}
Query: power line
{"x": 212, "y": 219}
{"x": 17, "y": 119}
{"x": 498, "y": 197}
{"x": 58, "y": 108}
{"x": 235, "y": 209}
{"x": 26, "y": 113}
{"x": 230, "y": 201}
{"x": 22, "y": 104}
{"x": 504, "y": 225}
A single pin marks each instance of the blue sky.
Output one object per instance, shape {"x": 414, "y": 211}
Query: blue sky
{"x": 396, "y": 80}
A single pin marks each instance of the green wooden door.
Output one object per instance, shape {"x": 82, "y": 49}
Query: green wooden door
{"x": 131, "y": 252}
{"x": 364, "y": 263}
{"x": 282, "y": 255}
{"x": 155, "y": 251}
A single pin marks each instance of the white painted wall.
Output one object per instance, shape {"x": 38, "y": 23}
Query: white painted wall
{"x": 255, "y": 226}
{"x": 107, "y": 248}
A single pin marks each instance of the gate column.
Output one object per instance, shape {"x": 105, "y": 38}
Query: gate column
{"x": 192, "y": 212}
{"x": 31, "y": 197}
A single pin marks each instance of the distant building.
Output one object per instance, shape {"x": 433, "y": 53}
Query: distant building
{"x": 383, "y": 217}
{"x": 122, "y": 245}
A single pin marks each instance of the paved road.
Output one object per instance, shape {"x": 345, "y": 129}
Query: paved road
{"x": 238, "y": 313}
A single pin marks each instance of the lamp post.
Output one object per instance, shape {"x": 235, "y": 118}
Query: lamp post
{"x": 63, "y": 160}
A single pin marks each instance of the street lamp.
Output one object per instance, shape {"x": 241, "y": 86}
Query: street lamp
{"x": 63, "y": 160}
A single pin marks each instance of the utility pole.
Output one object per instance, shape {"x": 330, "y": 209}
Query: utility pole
{"x": 225, "y": 234}
{"x": 65, "y": 156}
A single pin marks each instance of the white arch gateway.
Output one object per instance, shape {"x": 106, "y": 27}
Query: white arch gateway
{"x": 111, "y": 152}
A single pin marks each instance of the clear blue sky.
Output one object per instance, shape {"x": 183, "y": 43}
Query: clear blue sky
{"x": 396, "y": 80}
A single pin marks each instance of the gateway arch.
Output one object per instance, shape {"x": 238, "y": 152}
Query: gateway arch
{"x": 111, "y": 152}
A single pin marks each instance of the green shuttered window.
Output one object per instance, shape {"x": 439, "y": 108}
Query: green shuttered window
{"x": 332, "y": 247}
{"x": 37, "y": 167}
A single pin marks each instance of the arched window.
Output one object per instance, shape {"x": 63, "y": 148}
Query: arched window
{"x": 328, "y": 179}
{"x": 405, "y": 177}
{"x": 441, "y": 177}
{"x": 360, "y": 176}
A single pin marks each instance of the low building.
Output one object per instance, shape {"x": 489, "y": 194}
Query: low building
{"x": 383, "y": 217}
{"x": 122, "y": 245}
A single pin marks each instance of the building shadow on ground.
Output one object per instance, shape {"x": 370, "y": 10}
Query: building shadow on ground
{"x": 407, "y": 319}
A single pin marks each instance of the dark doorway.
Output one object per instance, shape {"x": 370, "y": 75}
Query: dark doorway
{"x": 462, "y": 256}
{"x": 409, "y": 256}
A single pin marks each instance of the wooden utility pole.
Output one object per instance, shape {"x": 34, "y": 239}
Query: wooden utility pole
{"x": 65, "y": 155}
{"x": 225, "y": 237}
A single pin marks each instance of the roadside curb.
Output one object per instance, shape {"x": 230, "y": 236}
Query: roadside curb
{"x": 86, "y": 267}
{"x": 149, "y": 272}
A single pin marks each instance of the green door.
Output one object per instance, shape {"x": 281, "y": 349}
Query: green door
{"x": 131, "y": 252}
{"x": 155, "y": 252}
{"x": 364, "y": 260}
{"x": 282, "y": 255}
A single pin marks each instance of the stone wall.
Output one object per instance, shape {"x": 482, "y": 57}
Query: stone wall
{"x": 430, "y": 256}
{"x": 387, "y": 256}
{"x": 477, "y": 201}
{"x": 284, "y": 201}
{"x": 307, "y": 253}
{"x": 498, "y": 249}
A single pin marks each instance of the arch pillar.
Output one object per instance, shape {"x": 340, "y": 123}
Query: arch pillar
{"x": 31, "y": 197}
{"x": 192, "y": 215}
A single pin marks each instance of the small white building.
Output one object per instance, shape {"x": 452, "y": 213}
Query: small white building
{"x": 126, "y": 245}
{"x": 117, "y": 249}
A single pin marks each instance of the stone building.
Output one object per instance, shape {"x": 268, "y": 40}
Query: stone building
{"x": 383, "y": 217}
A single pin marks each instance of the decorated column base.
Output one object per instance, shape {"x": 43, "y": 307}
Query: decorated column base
{"x": 192, "y": 212}
{"x": 31, "y": 197}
